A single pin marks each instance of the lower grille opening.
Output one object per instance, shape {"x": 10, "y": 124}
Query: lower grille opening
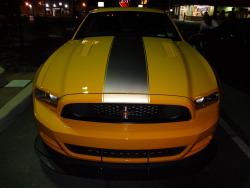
{"x": 125, "y": 153}
{"x": 109, "y": 112}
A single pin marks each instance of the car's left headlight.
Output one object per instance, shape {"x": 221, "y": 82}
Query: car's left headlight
{"x": 46, "y": 97}
{"x": 207, "y": 100}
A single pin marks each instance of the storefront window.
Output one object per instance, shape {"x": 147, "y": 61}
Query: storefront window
{"x": 199, "y": 10}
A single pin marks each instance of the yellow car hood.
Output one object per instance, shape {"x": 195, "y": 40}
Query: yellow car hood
{"x": 139, "y": 65}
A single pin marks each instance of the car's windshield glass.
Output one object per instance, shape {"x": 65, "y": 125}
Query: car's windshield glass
{"x": 128, "y": 23}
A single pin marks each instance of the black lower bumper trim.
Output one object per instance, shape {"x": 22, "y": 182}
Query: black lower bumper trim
{"x": 63, "y": 164}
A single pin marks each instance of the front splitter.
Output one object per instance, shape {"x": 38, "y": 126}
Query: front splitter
{"x": 77, "y": 167}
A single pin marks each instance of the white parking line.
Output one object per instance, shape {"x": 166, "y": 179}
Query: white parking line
{"x": 240, "y": 143}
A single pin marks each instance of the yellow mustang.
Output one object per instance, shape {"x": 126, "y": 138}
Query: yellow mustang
{"x": 126, "y": 89}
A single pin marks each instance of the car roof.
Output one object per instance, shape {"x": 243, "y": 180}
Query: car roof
{"x": 120, "y": 9}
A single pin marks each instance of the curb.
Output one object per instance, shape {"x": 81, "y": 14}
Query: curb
{"x": 3, "y": 80}
{"x": 14, "y": 108}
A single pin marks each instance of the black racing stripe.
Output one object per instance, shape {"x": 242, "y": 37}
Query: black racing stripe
{"x": 127, "y": 67}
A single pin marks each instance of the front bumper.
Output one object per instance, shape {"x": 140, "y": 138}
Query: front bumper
{"x": 193, "y": 135}
{"x": 77, "y": 167}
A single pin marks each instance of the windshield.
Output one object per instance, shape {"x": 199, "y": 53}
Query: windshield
{"x": 128, "y": 23}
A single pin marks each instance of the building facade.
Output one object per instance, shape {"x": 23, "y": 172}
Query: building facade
{"x": 191, "y": 10}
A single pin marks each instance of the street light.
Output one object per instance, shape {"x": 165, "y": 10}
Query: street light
{"x": 31, "y": 9}
{"x": 100, "y": 4}
{"x": 28, "y": 4}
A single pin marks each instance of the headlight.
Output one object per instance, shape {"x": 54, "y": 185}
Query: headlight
{"x": 205, "y": 101}
{"x": 46, "y": 97}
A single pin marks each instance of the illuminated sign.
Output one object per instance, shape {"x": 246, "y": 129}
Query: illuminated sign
{"x": 124, "y": 3}
{"x": 100, "y": 4}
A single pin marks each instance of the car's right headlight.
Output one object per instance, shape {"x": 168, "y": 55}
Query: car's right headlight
{"x": 46, "y": 97}
{"x": 207, "y": 100}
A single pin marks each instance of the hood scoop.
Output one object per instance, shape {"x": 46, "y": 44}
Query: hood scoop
{"x": 87, "y": 46}
{"x": 168, "y": 49}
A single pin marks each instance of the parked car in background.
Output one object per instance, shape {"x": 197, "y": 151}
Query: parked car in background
{"x": 127, "y": 90}
{"x": 226, "y": 47}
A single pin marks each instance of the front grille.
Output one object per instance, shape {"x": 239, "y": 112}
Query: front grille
{"x": 109, "y": 112}
{"x": 125, "y": 153}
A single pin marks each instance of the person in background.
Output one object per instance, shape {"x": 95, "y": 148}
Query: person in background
{"x": 232, "y": 14}
{"x": 222, "y": 16}
{"x": 208, "y": 22}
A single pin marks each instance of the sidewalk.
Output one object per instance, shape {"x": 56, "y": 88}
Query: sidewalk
{"x": 40, "y": 40}
{"x": 13, "y": 102}
{"x": 15, "y": 95}
{"x": 8, "y": 93}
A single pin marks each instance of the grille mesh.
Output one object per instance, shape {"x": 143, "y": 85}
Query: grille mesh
{"x": 125, "y": 153}
{"x": 135, "y": 111}
{"x": 109, "y": 112}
